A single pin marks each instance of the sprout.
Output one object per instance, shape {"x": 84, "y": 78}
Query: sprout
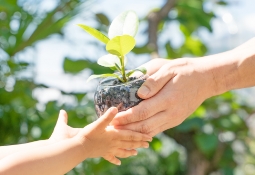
{"x": 119, "y": 43}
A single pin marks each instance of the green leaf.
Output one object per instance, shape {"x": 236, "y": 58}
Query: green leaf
{"x": 97, "y": 34}
{"x": 103, "y": 76}
{"x": 142, "y": 50}
{"x": 103, "y": 19}
{"x": 191, "y": 124}
{"x": 140, "y": 69}
{"x": 156, "y": 144}
{"x": 109, "y": 60}
{"x": 120, "y": 45}
{"x": 76, "y": 66}
{"x": 117, "y": 67}
{"x": 222, "y": 3}
{"x": 113, "y": 68}
{"x": 207, "y": 143}
{"x": 124, "y": 24}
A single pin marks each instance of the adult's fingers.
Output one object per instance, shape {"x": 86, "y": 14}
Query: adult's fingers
{"x": 148, "y": 125}
{"x": 140, "y": 112}
{"x": 112, "y": 159}
{"x": 132, "y": 144}
{"x": 147, "y": 108}
{"x": 124, "y": 153}
{"x": 105, "y": 119}
{"x": 176, "y": 119}
{"x": 155, "y": 82}
{"x": 130, "y": 135}
{"x": 160, "y": 129}
{"x": 154, "y": 65}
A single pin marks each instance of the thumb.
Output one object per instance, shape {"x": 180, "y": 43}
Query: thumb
{"x": 155, "y": 83}
{"x": 105, "y": 119}
{"x": 62, "y": 117}
{"x": 62, "y": 120}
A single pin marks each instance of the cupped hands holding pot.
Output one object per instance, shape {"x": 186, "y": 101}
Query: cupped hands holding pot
{"x": 176, "y": 88}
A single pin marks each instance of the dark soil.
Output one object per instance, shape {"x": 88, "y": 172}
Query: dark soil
{"x": 111, "y": 92}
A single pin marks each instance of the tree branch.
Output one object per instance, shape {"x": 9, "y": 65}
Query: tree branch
{"x": 154, "y": 19}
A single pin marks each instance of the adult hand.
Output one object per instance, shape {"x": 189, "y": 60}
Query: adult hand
{"x": 173, "y": 91}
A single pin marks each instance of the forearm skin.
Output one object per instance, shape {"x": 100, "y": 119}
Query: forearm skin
{"x": 231, "y": 70}
{"x": 54, "y": 159}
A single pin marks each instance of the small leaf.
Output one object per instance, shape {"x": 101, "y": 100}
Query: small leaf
{"x": 109, "y": 60}
{"x": 141, "y": 69}
{"x": 103, "y": 76}
{"x": 113, "y": 68}
{"x": 120, "y": 45}
{"x": 97, "y": 34}
{"x": 124, "y": 24}
{"x": 102, "y": 18}
{"x": 117, "y": 67}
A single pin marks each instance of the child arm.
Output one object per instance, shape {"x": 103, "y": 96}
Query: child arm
{"x": 61, "y": 131}
{"x": 95, "y": 140}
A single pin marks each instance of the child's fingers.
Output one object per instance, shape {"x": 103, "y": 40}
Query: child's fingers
{"x": 105, "y": 119}
{"x": 111, "y": 158}
{"x": 132, "y": 144}
{"x": 62, "y": 117}
{"x": 129, "y": 135}
{"x": 123, "y": 153}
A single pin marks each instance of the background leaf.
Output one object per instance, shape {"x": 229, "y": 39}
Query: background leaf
{"x": 207, "y": 143}
{"x": 76, "y": 66}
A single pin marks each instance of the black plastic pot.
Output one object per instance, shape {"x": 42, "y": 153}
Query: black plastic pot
{"x": 111, "y": 92}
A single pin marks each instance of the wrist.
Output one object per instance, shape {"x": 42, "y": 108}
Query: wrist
{"x": 204, "y": 77}
{"x": 222, "y": 72}
{"x": 84, "y": 146}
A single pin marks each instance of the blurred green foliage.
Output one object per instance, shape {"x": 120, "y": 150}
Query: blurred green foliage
{"x": 19, "y": 114}
{"x": 207, "y": 141}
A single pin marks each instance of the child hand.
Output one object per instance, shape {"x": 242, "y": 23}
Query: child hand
{"x": 101, "y": 140}
{"x": 62, "y": 130}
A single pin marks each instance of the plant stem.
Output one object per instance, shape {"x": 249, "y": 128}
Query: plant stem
{"x": 120, "y": 79}
{"x": 123, "y": 68}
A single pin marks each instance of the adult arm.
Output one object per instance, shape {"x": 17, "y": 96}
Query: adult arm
{"x": 179, "y": 86}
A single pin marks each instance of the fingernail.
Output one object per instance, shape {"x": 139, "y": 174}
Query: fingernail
{"x": 148, "y": 138}
{"x": 119, "y": 163}
{"x": 144, "y": 91}
{"x": 146, "y": 146}
{"x": 114, "y": 110}
{"x": 135, "y": 153}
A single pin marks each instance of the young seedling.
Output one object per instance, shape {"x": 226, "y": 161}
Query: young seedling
{"x": 120, "y": 41}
